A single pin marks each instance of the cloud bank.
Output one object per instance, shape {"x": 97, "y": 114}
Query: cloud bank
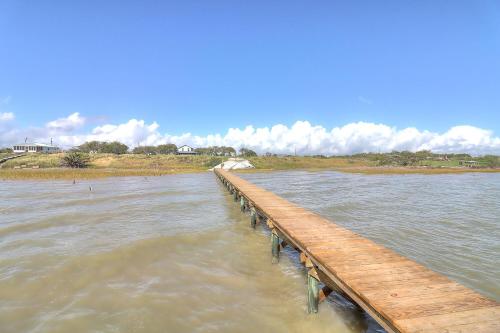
{"x": 302, "y": 137}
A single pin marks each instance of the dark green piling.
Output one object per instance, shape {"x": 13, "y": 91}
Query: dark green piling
{"x": 312, "y": 294}
{"x": 253, "y": 217}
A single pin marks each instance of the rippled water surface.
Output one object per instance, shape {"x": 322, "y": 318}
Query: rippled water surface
{"x": 174, "y": 253}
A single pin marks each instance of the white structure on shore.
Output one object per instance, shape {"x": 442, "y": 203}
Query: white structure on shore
{"x": 35, "y": 148}
{"x": 233, "y": 164}
{"x": 186, "y": 150}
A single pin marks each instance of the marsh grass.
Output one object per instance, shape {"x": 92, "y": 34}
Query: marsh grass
{"x": 307, "y": 162}
{"x": 416, "y": 170}
{"x": 68, "y": 173}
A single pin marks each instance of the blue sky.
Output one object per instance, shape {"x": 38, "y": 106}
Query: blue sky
{"x": 205, "y": 66}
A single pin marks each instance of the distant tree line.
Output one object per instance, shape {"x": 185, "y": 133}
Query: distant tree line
{"x": 407, "y": 158}
{"x": 491, "y": 161}
{"x": 245, "y": 152}
{"x": 114, "y": 147}
{"x": 216, "y": 151}
{"x": 168, "y": 148}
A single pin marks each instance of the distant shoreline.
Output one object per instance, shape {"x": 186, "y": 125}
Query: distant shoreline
{"x": 48, "y": 166}
{"x": 95, "y": 173}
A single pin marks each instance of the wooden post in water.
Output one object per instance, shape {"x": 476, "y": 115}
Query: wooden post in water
{"x": 235, "y": 194}
{"x": 261, "y": 219}
{"x": 253, "y": 217}
{"x": 275, "y": 246}
{"x": 242, "y": 203}
{"x": 312, "y": 291}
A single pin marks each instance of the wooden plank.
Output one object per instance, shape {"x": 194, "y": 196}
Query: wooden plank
{"x": 437, "y": 323}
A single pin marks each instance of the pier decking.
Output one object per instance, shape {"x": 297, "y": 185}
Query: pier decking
{"x": 400, "y": 294}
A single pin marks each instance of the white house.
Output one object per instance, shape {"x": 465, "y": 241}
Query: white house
{"x": 186, "y": 150}
{"x": 35, "y": 148}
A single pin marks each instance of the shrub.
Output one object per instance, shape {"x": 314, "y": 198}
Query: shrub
{"x": 147, "y": 150}
{"x": 247, "y": 152}
{"x": 75, "y": 160}
{"x": 213, "y": 161}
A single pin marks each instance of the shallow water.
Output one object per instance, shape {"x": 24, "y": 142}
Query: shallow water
{"x": 174, "y": 253}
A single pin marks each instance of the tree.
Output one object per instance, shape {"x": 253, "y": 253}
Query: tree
{"x": 114, "y": 147}
{"x": 90, "y": 147}
{"x": 75, "y": 160}
{"x": 228, "y": 151}
{"x": 247, "y": 152}
{"x": 216, "y": 151}
{"x": 168, "y": 148}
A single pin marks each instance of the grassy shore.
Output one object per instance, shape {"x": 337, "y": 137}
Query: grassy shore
{"x": 47, "y": 166}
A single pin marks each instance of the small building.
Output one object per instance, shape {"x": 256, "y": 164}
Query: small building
{"x": 186, "y": 150}
{"x": 35, "y": 148}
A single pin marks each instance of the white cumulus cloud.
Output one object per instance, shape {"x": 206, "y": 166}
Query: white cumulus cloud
{"x": 67, "y": 124}
{"x": 6, "y": 116}
{"x": 302, "y": 137}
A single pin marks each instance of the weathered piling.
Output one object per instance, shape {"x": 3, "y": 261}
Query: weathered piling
{"x": 275, "y": 246}
{"x": 242, "y": 204}
{"x": 253, "y": 217}
{"x": 312, "y": 292}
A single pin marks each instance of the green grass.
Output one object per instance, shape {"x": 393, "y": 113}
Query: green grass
{"x": 2, "y": 155}
{"x": 30, "y": 160}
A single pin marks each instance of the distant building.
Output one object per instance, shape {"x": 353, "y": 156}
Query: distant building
{"x": 186, "y": 150}
{"x": 35, "y": 148}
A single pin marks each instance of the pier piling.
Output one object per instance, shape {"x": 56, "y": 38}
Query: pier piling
{"x": 253, "y": 217}
{"x": 312, "y": 291}
{"x": 275, "y": 246}
{"x": 242, "y": 204}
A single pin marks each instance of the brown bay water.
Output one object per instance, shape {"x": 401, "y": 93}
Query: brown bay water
{"x": 174, "y": 254}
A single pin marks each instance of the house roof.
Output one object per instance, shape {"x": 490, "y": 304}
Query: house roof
{"x": 185, "y": 146}
{"x": 35, "y": 144}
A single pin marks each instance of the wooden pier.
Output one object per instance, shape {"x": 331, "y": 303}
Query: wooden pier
{"x": 400, "y": 294}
